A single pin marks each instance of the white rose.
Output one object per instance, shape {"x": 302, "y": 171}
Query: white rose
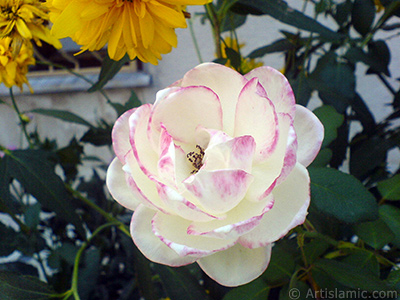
{"x": 215, "y": 170}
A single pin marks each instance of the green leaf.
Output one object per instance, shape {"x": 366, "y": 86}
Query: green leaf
{"x": 232, "y": 21}
{"x": 7, "y": 241}
{"x": 109, "y": 68}
{"x": 62, "y": 115}
{"x": 281, "y": 266}
{"x": 100, "y": 136}
{"x": 315, "y": 249}
{"x": 19, "y": 287}
{"x": 36, "y": 174}
{"x": 368, "y": 153}
{"x": 234, "y": 57}
{"x": 334, "y": 81}
{"x": 341, "y": 196}
{"x": 380, "y": 53}
{"x": 390, "y": 188}
{"x": 282, "y": 12}
{"x": 363, "y": 15}
{"x": 180, "y": 284}
{"x": 375, "y": 233}
{"x": 323, "y": 158}
{"x": 331, "y": 120}
{"x": 393, "y": 280}
{"x": 301, "y": 89}
{"x": 295, "y": 290}
{"x": 376, "y": 62}
{"x": 364, "y": 260}
{"x": 277, "y": 46}
{"x": 88, "y": 273}
{"x": 391, "y": 216}
{"x": 351, "y": 275}
{"x": 32, "y": 215}
{"x": 132, "y": 102}
{"x": 255, "y": 290}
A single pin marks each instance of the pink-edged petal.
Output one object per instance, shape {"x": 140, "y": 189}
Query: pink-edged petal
{"x": 166, "y": 162}
{"x": 310, "y": 134}
{"x": 181, "y": 206}
{"x": 219, "y": 191}
{"x": 225, "y": 82}
{"x": 171, "y": 230}
{"x": 149, "y": 244}
{"x": 277, "y": 87}
{"x": 143, "y": 188}
{"x": 240, "y": 220}
{"x": 290, "y": 158}
{"x": 120, "y": 135}
{"x": 237, "y": 265}
{"x": 144, "y": 153}
{"x": 236, "y": 153}
{"x": 184, "y": 109}
{"x": 118, "y": 186}
{"x": 255, "y": 116}
{"x": 292, "y": 198}
{"x": 278, "y": 165}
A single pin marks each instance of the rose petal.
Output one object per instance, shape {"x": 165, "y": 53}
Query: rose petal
{"x": 149, "y": 244}
{"x": 118, "y": 187}
{"x": 181, "y": 206}
{"x": 255, "y": 116}
{"x": 292, "y": 198}
{"x": 310, "y": 134}
{"x": 219, "y": 191}
{"x": 237, "y": 265}
{"x": 240, "y": 220}
{"x": 171, "y": 230}
{"x": 183, "y": 110}
{"x": 144, "y": 189}
{"x": 279, "y": 164}
{"x": 166, "y": 162}
{"x": 277, "y": 87}
{"x": 236, "y": 153}
{"x": 141, "y": 146}
{"x": 225, "y": 82}
{"x": 120, "y": 135}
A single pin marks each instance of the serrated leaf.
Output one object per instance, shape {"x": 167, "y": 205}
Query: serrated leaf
{"x": 19, "y": 287}
{"x": 109, "y": 68}
{"x": 132, "y": 102}
{"x": 331, "y": 120}
{"x": 234, "y": 57}
{"x": 35, "y": 173}
{"x": 350, "y": 275}
{"x": 180, "y": 284}
{"x": 255, "y": 290}
{"x": 62, "y": 115}
{"x": 390, "y": 188}
{"x": 282, "y": 12}
{"x": 341, "y": 196}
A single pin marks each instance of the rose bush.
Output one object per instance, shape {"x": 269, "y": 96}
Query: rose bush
{"x": 215, "y": 170}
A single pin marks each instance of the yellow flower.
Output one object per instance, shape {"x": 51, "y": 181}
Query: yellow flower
{"x": 246, "y": 64}
{"x": 23, "y": 20}
{"x": 13, "y": 69}
{"x": 141, "y": 28}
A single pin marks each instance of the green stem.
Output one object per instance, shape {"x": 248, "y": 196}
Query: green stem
{"x": 215, "y": 25}
{"x": 315, "y": 234}
{"x": 106, "y": 215}
{"x": 23, "y": 125}
{"x": 194, "y": 39}
{"x": 74, "y": 286}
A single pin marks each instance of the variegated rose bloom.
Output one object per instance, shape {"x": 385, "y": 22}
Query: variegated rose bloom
{"x": 215, "y": 170}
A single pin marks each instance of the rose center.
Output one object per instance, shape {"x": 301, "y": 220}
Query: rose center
{"x": 196, "y": 159}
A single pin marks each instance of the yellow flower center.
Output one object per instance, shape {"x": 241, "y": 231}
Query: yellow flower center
{"x": 196, "y": 159}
